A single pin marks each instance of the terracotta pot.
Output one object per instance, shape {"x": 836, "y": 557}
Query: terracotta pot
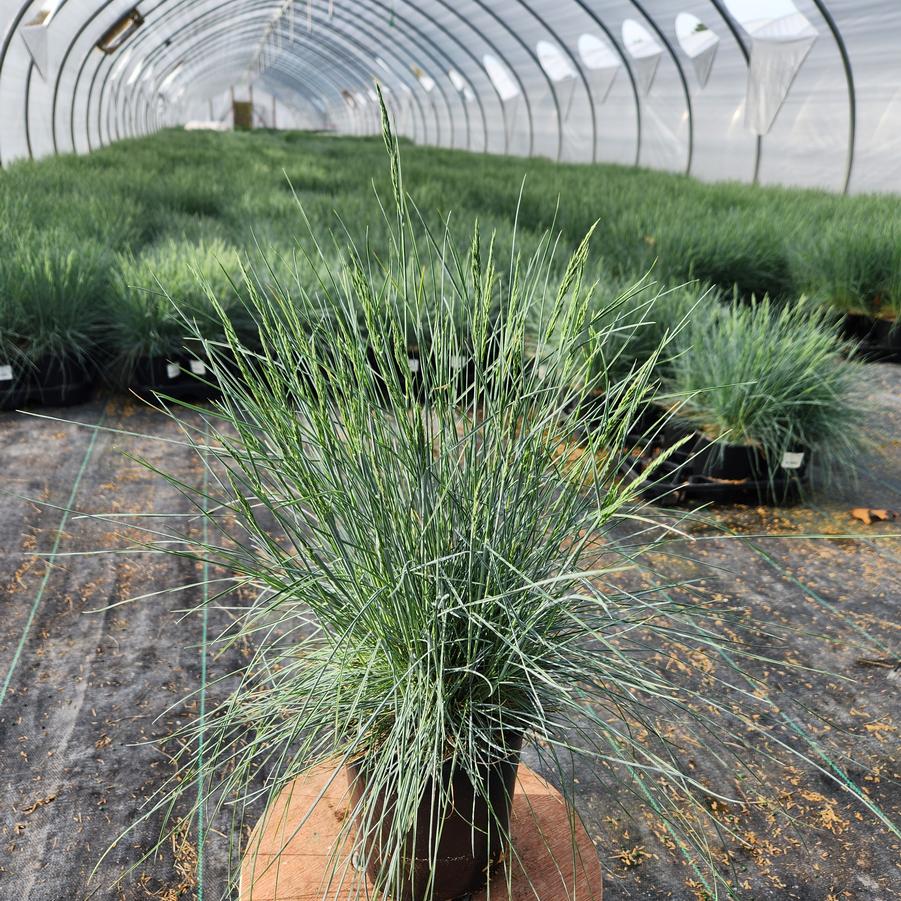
{"x": 471, "y": 839}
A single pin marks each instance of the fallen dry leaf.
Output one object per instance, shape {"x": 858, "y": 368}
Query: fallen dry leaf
{"x": 878, "y": 729}
{"x": 867, "y": 516}
{"x": 39, "y": 803}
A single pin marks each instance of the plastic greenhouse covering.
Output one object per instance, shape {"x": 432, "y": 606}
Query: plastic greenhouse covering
{"x": 800, "y": 92}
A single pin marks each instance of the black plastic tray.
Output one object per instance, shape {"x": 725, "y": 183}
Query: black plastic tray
{"x": 704, "y": 471}
{"x": 878, "y": 339}
{"x": 49, "y": 383}
{"x": 670, "y": 483}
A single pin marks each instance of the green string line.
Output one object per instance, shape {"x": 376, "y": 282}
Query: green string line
{"x": 50, "y": 559}
{"x": 205, "y": 596}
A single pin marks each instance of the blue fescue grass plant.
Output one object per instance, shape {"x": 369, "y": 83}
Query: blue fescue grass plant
{"x": 52, "y": 295}
{"x": 776, "y": 377}
{"x": 159, "y": 293}
{"x": 435, "y": 572}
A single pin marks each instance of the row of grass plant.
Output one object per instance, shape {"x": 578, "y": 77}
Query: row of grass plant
{"x": 753, "y": 373}
{"x": 239, "y": 188}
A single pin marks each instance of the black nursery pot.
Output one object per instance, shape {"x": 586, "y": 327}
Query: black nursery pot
{"x": 880, "y": 339}
{"x": 729, "y": 462}
{"x": 59, "y": 382}
{"x": 156, "y": 373}
{"x": 13, "y": 386}
{"x": 703, "y": 471}
{"x": 472, "y": 833}
{"x": 181, "y": 376}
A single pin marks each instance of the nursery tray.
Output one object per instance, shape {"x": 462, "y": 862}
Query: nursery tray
{"x": 181, "y": 378}
{"x": 700, "y": 470}
{"x": 670, "y": 483}
{"x": 286, "y": 861}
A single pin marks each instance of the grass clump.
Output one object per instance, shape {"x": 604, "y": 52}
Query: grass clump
{"x": 854, "y": 270}
{"x": 772, "y": 376}
{"x": 204, "y": 187}
{"x": 52, "y": 299}
{"x": 167, "y": 292}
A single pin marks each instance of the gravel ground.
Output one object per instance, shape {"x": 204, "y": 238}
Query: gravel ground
{"x": 91, "y": 689}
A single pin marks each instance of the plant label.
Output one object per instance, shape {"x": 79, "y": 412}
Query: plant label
{"x": 172, "y": 370}
{"x": 792, "y": 460}
{"x": 456, "y": 362}
{"x": 198, "y": 367}
{"x": 413, "y": 364}
{"x": 6, "y": 373}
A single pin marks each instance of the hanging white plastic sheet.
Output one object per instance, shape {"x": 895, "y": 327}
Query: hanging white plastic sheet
{"x": 700, "y": 44}
{"x": 601, "y": 65}
{"x": 778, "y": 51}
{"x": 781, "y": 37}
{"x": 645, "y": 51}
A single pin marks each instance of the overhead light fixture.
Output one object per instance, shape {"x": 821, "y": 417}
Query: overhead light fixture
{"x": 120, "y": 31}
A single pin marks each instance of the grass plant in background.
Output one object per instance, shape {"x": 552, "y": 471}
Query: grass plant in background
{"x": 160, "y": 295}
{"x": 60, "y": 288}
{"x": 855, "y": 271}
{"x": 642, "y": 325}
{"x": 772, "y": 377}
{"x": 434, "y": 582}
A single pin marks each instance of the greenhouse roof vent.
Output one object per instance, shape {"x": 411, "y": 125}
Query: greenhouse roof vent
{"x": 645, "y": 51}
{"x": 781, "y": 37}
{"x": 699, "y": 43}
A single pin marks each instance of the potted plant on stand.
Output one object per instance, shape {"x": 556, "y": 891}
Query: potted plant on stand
{"x": 433, "y": 579}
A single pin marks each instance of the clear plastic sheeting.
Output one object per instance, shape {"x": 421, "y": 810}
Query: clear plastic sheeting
{"x": 800, "y": 92}
{"x": 601, "y": 62}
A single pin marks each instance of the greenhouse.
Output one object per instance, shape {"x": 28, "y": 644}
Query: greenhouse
{"x": 450, "y": 450}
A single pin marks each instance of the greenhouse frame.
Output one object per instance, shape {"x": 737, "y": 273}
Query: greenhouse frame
{"x": 766, "y": 91}
{"x": 450, "y": 450}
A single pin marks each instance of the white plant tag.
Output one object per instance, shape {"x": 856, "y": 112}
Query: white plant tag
{"x": 6, "y": 373}
{"x": 542, "y": 372}
{"x": 172, "y": 370}
{"x": 413, "y": 364}
{"x": 792, "y": 460}
{"x": 456, "y": 362}
{"x": 198, "y": 367}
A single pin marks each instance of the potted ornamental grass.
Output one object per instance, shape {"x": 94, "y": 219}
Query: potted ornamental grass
{"x": 421, "y": 559}
{"x": 853, "y": 265}
{"x": 13, "y": 365}
{"x": 763, "y": 390}
{"x": 428, "y": 580}
{"x": 158, "y": 299}
{"x": 52, "y": 319}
